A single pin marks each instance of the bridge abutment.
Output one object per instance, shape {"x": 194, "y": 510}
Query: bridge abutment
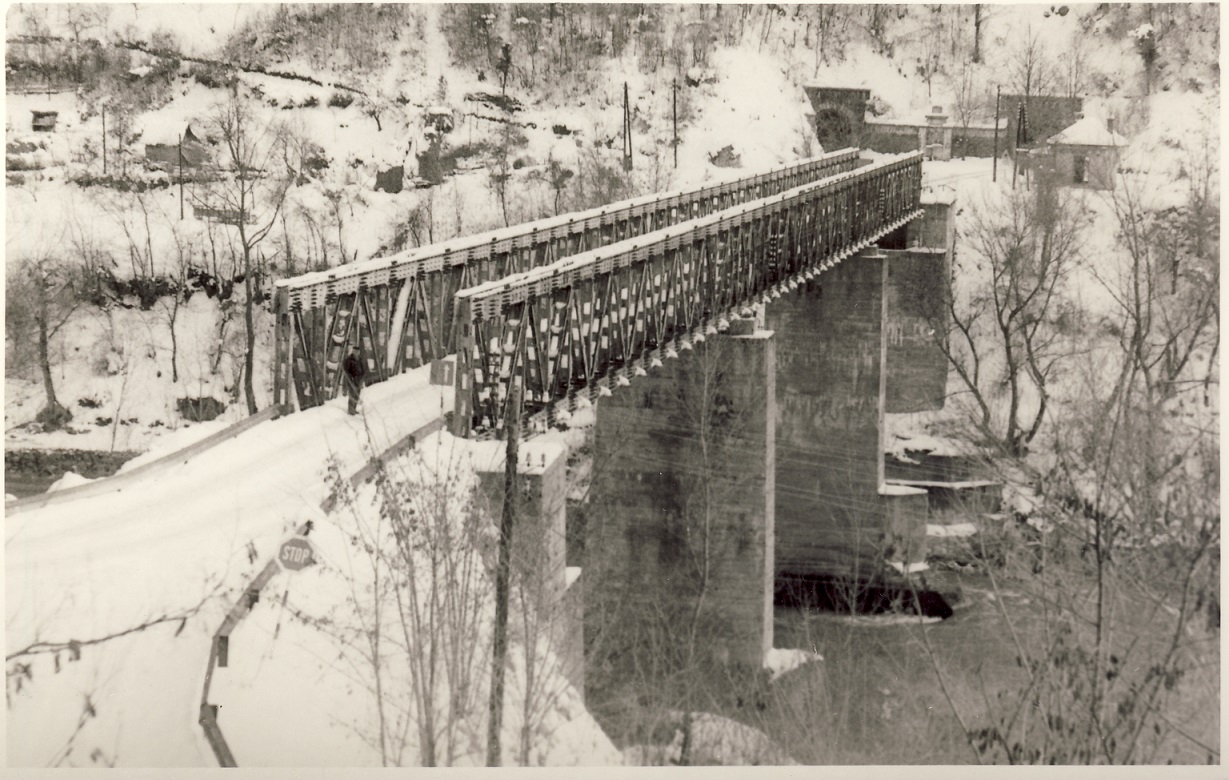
{"x": 679, "y": 538}
{"x": 540, "y": 576}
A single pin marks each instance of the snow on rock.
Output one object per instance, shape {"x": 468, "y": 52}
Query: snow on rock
{"x": 778, "y": 660}
{"x": 70, "y": 479}
{"x": 1021, "y": 499}
{"x": 955, "y": 530}
{"x": 715, "y": 741}
{"x": 900, "y": 443}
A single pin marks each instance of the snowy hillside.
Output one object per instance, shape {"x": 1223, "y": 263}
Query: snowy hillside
{"x": 739, "y": 87}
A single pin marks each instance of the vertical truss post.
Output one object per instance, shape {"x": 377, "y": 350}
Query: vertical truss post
{"x": 281, "y": 352}
{"x": 463, "y": 402}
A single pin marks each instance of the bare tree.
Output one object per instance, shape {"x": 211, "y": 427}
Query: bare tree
{"x": 1118, "y": 555}
{"x": 831, "y": 31}
{"x": 181, "y": 264}
{"x": 41, "y": 297}
{"x": 249, "y": 197}
{"x": 81, "y": 19}
{"x": 1073, "y": 69}
{"x": 969, "y": 99}
{"x": 417, "y": 612}
{"x": 1030, "y": 70}
{"x": 1004, "y": 333}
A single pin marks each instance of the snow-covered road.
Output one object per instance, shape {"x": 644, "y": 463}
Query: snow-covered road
{"x": 189, "y": 534}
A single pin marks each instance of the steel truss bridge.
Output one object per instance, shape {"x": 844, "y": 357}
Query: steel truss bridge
{"x": 570, "y": 307}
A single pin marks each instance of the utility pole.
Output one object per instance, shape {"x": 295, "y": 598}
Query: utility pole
{"x": 1021, "y": 140}
{"x": 627, "y": 131}
{"x": 998, "y": 95}
{"x": 181, "y": 177}
{"x": 675, "y": 106}
{"x": 512, "y": 421}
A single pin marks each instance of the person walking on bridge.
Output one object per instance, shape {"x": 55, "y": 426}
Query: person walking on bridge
{"x": 356, "y": 369}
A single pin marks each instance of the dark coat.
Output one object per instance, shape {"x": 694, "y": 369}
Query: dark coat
{"x": 355, "y": 368}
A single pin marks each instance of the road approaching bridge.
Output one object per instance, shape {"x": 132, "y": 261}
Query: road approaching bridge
{"x": 401, "y": 309}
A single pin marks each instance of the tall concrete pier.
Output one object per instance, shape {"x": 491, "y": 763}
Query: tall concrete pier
{"x": 680, "y": 528}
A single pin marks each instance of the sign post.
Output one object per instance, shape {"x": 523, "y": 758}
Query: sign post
{"x": 296, "y": 554}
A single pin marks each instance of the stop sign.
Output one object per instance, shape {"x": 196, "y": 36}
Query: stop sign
{"x": 296, "y": 553}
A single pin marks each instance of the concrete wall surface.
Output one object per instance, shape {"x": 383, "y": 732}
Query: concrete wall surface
{"x": 829, "y": 405}
{"x": 681, "y": 508}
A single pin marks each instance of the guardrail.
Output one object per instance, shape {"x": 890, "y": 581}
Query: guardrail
{"x": 208, "y": 718}
{"x": 589, "y": 322}
{"x": 400, "y": 307}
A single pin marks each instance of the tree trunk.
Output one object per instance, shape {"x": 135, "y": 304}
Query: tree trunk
{"x": 499, "y": 651}
{"x": 977, "y": 33}
{"x": 249, "y": 317}
{"x": 53, "y": 415}
{"x": 174, "y": 340}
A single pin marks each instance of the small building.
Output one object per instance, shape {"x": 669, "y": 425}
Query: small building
{"x": 167, "y": 156}
{"x": 43, "y": 121}
{"x": 1085, "y": 154}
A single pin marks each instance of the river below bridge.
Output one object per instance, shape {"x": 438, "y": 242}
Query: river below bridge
{"x": 877, "y": 699}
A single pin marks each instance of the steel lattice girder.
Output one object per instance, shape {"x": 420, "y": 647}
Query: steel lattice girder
{"x": 576, "y": 328}
{"x": 406, "y": 300}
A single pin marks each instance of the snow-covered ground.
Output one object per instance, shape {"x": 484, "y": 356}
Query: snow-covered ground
{"x": 89, "y": 568}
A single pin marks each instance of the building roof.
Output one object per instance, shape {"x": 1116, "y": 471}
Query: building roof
{"x": 1087, "y": 132}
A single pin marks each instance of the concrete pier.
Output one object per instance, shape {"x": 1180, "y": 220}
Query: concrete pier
{"x": 680, "y": 528}
{"x": 539, "y": 572}
{"x": 830, "y": 402}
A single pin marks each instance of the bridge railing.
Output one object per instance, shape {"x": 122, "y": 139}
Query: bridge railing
{"x": 573, "y": 330}
{"x": 400, "y": 307}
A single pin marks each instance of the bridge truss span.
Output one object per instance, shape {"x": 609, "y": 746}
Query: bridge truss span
{"x": 401, "y": 308}
{"x": 575, "y": 329}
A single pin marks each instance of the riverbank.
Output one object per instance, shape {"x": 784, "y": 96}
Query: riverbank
{"x": 28, "y": 472}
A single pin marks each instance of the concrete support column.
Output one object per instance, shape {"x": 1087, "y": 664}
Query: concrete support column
{"x": 830, "y": 402}
{"x": 681, "y": 516}
{"x": 538, "y": 547}
{"x": 917, "y": 313}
